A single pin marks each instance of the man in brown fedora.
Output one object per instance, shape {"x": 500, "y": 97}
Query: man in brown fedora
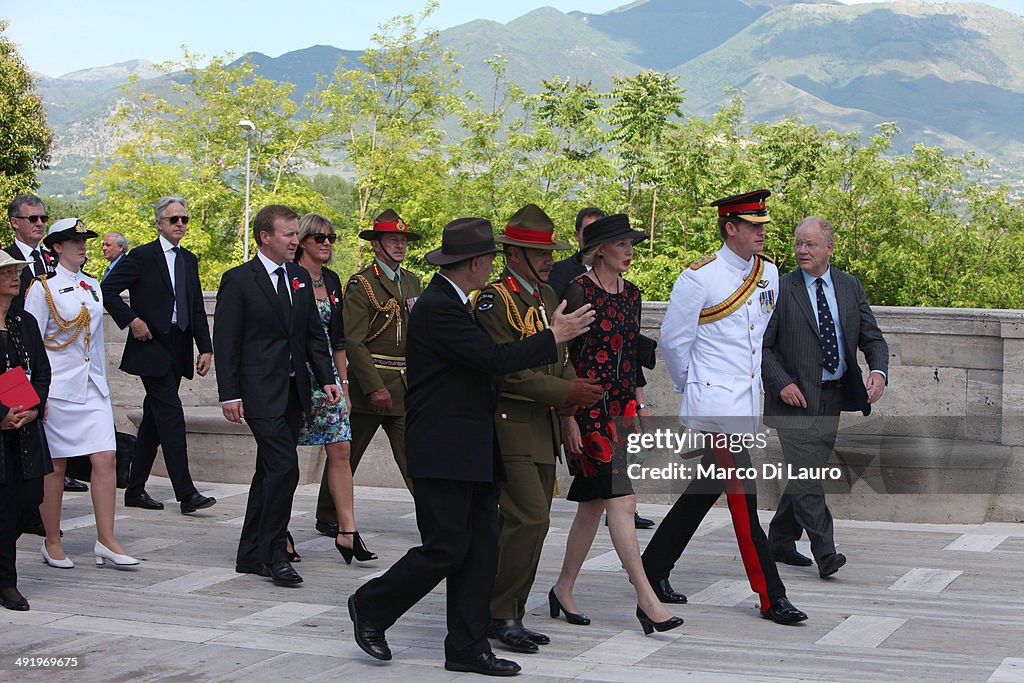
{"x": 510, "y": 309}
{"x": 376, "y": 313}
{"x": 454, "y": 371}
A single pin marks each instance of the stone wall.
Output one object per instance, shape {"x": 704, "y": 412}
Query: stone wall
{"x": 943, "y": 363}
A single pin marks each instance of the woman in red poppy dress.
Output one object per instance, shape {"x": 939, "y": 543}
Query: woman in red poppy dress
{"x": 596, "y": 436}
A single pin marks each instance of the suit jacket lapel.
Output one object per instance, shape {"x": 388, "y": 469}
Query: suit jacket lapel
{"x": 160, "y": 264}
{"x": 847, "y": 310}
{"x": 798, "y": 291}
{"x": 259, "y": 274}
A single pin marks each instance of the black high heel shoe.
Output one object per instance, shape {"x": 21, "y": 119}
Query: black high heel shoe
{"x": 649, "y": 626}
{"x": 554, "y": 606}
{"x": 293, "y": 554}
{"x": 358, "y": 549}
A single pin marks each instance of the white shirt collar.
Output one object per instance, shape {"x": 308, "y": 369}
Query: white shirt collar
{"x": 61, "y": 270}
{"x": 27, "y": 250}
{"x": 733, "y": 259}
{"x": 458, "y": 290}
{"x": 826, "y": 276}
{"x": 270, "y": 265}
{"x": 165, "y": 244}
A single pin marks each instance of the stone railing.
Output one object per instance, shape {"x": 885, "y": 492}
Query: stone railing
{"x": 944, "y": 363}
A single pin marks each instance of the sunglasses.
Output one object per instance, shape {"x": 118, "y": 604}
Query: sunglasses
{"x": 174, "y": 220}
{"x": 35, "y": 219}
{"x": 322, "y": 237}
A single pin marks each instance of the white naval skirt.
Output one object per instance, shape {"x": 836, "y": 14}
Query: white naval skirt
{"x": 74, "y": 429}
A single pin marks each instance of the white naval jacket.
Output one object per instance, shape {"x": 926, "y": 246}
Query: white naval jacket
{"x": 717, "y": 366}
{"x": 75, "y": 365}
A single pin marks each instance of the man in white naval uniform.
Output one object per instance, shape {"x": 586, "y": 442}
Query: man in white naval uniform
{"x": 711, "y": 341}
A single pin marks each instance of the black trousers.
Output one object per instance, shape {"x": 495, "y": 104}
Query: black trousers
{"x": 690, "y": 509}
{"x": 19, "y": 498}
{"x": 163, "y": 424}
{"x": 802, "y": 506}
{"x": 269, "y": 506}
{"x": 364, "y": 426}
{"x": 458, "y": 523}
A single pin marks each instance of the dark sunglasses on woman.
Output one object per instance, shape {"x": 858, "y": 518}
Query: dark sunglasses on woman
{"x": 322, "y": 237}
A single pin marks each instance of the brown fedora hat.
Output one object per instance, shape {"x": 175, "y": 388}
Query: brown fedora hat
{"x": 463, "y": 239}
{"x": 531, "y": 228}
{"x": 389, "y": 222}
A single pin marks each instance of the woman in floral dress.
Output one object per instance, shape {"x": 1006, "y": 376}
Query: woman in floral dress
{"x": 596, "y": 436}
{"x": 329, "y": 425}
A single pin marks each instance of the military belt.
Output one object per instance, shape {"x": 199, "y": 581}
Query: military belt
{"x": 384, "y": 362}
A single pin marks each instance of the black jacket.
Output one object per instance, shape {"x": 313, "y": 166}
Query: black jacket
{"x": 35, "y": 456}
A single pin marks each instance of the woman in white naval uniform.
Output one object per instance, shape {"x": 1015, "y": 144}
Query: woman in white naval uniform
{"x": 79, "y": 420}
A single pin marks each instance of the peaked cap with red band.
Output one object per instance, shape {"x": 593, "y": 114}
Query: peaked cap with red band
{"x": 531, "y": 228}
{"x": 749, "y": 206}
{"x": 388, "y": 222}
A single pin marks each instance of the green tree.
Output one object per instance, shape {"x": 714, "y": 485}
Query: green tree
{"x": 25, "y": 139}
{"x": 188, "y": 143}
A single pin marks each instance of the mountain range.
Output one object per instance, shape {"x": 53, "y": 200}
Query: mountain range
{"x": 951, "y": 75}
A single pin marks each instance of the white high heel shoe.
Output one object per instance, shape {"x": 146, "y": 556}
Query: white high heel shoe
{"x": 66, "y": 563}
{"x": 102, "y": 552}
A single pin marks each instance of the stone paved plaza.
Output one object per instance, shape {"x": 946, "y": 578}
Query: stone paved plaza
{"x": 916, "y": 602}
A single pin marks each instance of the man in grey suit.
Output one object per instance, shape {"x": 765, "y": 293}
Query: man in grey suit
{"x": 810, "y": 374}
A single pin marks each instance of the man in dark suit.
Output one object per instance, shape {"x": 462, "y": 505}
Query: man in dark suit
{"x": 568, "y": 269}
{"x": 810, "y": 373}
{"x": 266, "y": 328}
{"x": 165, "y": 315}
{"x": 455, "y": 372}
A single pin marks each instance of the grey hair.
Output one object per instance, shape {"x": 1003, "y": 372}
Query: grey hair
{"x": 311, "y": 224}
{"x": 164, "y": 202}
{"x": 119, "y": 239}
{"x": 14, "y": 208}
{"x": 826, "y": 227}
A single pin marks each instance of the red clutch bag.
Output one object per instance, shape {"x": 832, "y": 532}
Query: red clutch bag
{"x": 16, "y": 390}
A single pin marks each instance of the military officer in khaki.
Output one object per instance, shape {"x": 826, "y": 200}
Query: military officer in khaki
{"x": 517, "y": 305}
{"x": 376, "y": 309}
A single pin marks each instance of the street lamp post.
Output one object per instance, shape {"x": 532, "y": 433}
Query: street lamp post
{"x": 249, "y": 128}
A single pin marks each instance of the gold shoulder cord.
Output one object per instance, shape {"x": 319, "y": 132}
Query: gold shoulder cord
{"x": 533, "y": 322}
{"x": 75, "y": 326}
{"x": 392, "y": 309}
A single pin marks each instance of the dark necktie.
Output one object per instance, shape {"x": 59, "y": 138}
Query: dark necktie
{"x": 38, "y": 267}
{"x": 469, "y": 308}
{"x": 827, "y": 330}
{"x": 180, "y": 298}
{"x": 282, "y": 295}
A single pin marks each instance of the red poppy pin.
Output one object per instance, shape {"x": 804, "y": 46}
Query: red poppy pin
{"x": 296, "y": 284}
{"x": 334, "y": 299}
{"x": 92, "y": 290}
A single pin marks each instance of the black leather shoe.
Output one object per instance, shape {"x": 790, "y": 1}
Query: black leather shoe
{"x": 830, "y": 564}
{"x": 18, "y": 604}
{"x": 327, "y": 528}
{"x": 257, "y": 569}
{"x": 144, "y": 501}
{"x": 282, "y": 574}
{"x": 642, "y": 522}
{"x": 74, "y": 486}
{"x": 794, "y": 558}
{"x": 663, "y": 589}
{"x": 536, "y": 637}
{"x": 196, "y": 501}
{"x": 369, "y": 639}
{"x": 783, "y": 612}
{"x": 485, "y": 664}
{"x": 33, "y": 524}
{"x": 511, "y": 635}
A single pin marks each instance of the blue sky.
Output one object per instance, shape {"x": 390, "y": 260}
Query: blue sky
{"x": 55, "y": 37}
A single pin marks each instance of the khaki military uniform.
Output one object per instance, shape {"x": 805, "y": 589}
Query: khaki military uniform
{"x": 376, "y": 316}
{"x": 529, "y": 435}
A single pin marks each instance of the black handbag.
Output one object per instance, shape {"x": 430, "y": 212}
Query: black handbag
{"x": 80, "y": 468}
{"x": 645, "y": 352}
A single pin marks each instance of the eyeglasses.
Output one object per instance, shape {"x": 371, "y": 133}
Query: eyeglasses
{"x": 322, "y": 237}
{"x": 35, "y": 219}
{"x": 174, "y": 220}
